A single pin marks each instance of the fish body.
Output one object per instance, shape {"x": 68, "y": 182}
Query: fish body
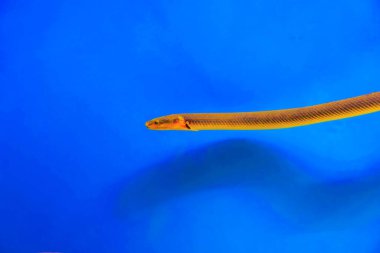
{"x": 273, "y": 119}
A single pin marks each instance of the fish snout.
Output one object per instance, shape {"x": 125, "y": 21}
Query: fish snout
{"x": 149, "y": 124}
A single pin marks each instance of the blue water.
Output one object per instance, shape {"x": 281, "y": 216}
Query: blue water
{"x": 79, "y": 172}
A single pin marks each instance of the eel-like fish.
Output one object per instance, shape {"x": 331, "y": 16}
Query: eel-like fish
{"x": 274, "y": 119}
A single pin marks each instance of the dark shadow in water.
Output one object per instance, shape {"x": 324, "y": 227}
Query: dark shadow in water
{"x": 295, "y": 194}
{"x": 222, "y": 164}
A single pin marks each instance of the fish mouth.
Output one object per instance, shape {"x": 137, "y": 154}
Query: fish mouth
{"x": 149, "y": 124}
{"x": 154, "y": 125}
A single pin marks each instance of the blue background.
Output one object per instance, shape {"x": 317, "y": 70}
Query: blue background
{"x": 79, "y": 172}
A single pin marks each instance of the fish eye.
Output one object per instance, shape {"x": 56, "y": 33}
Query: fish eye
{"x": 156, "y": 122}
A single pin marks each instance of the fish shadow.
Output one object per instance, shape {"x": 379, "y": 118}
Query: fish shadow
{"x": 303, "y": 198}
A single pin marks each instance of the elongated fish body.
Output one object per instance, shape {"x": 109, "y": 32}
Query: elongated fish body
{"x": 274, "y": 119}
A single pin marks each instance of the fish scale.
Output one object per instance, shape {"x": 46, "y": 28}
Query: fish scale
{"x": 276, "y": 119}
